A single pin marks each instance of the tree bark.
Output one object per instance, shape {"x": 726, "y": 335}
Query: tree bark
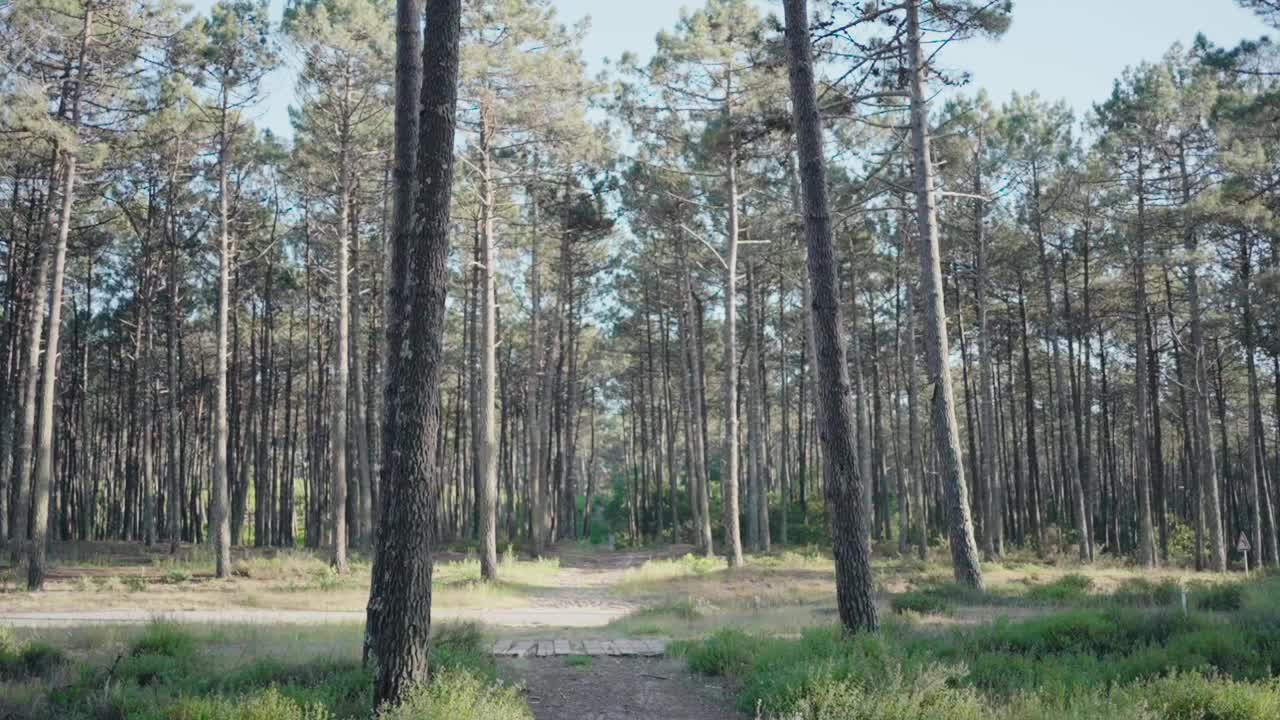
{"x": 729, "y": 458}
{"x": 850, "y": 546}
{"x": 48, "y": 380}
{"x": 994, "y": 530}
{"x": 487, "y": 498}
{"x": 399, "y": 613}
{"x": 964, "y": 551}
{"x": 342, "y": 349}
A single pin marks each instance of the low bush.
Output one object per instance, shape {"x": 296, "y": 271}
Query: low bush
{"x": 1118, "y": 663}
{"x": 1200, "y": 697}
{"x": 1141, "y": 592}
{"x": 924, "y": 602}
{"x": 165, "y": 673}
{"x": 164, "y": 638}
{"x": 1066, "y": 590}
{"x": 29, "y": 660}
{"x": 269, "y": 704}
{"x": 727, "y": 652}
{"x": 1225, "y": 597}
{"x": 460, "y": 695}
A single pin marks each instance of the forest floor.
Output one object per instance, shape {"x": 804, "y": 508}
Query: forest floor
{"x": 281, "y": 609}
{"x": 620, "y": 689}
{"x": 666, "y": 590}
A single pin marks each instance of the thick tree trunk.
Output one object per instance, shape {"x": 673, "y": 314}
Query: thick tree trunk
{"x": 399, "y": 613}
{"x": 964, "y": 551}
{"x": 854, "y": 583}
{"x": 24, "y": 449}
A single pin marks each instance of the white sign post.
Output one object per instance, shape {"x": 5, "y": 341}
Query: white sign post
{"x": 1244, "y": 547}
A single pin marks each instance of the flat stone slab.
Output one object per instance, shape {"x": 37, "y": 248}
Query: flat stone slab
{"x": 648, "y": 647}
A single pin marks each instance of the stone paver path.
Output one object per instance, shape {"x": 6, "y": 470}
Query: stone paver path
{"x": 650, "y": 647}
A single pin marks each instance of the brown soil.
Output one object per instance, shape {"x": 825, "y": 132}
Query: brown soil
{"x": 619, "y": 689}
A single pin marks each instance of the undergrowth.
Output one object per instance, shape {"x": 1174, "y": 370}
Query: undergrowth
{"x": 167, "y": 672}
{"x": 1106, "y": 661}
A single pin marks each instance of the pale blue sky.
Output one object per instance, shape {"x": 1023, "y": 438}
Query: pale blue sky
{"x": 1070, "y": 49}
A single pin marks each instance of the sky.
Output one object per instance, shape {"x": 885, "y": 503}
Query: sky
{"x": 1063, "y": 49}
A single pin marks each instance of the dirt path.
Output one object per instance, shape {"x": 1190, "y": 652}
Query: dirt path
{"x": 570, "y": 617}
{"x": 619, "y": 689}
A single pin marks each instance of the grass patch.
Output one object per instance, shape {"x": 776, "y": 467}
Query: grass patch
{"x": 1100, "y": 662}
{"x": 164, "y": 638}
{"x": 578, "y": 661}
{"x": 1225, "y": 597}
{"x": 1070, "y": 589}
{"x": 169, "y": 672}
{"x": 32, "y": 660}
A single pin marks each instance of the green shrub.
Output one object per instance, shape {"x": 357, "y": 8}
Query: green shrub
{"x": 728, "y": 653}
{"x": 1226, "y": 597}
{"x": 924, "y": 602}
{"x": 326, "y": 579}
{"x": 1109, "y": 662}
{"x": 686, "y": 610}
{"x": 460, "y": 695}
{"x": 928, "y": 695}
{"x": 176, "y": 577}
{"x": 166, "y": 639}
{"x": 1141, "y": 592}
{"x": 267, "y": 704}
{"x": 700, "y": 564}
{"x": 151, "y": 670}
{"x": 1066, "y": 590}
{"x": 460, "y": 646}
{"x": 1196, "y": 697}
{"x": 8, "y": 643}
{"x": 32, "y": 660}
{"x": 135, "y": 583}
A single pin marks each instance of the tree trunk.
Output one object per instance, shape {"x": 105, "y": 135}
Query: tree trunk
{"x": 964, "y": 551}
{"x": 221, "y": 529}
{"x": 852, "y": 551}
{"x": 342, "y": 349}
{"x": 399, "y": 613}
{"x": 729, "y": 458}
{"x": 1208, "y": 472}
{"x": 487, "y": 498}
{"x": 44, "y": 441}
{"x": 1070, "y": 457}
{"x": 994, "y": 534}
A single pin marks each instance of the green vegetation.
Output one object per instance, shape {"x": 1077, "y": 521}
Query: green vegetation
{"x": 1133, "y": 663}
{"x": 461, "y": 695}
{"x": 19, "y": 660}
{"x": 168, "y": 672}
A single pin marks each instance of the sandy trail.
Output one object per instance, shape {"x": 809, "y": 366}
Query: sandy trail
{"x": 582, "y": 601}
{"x": 577, "y": 617}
